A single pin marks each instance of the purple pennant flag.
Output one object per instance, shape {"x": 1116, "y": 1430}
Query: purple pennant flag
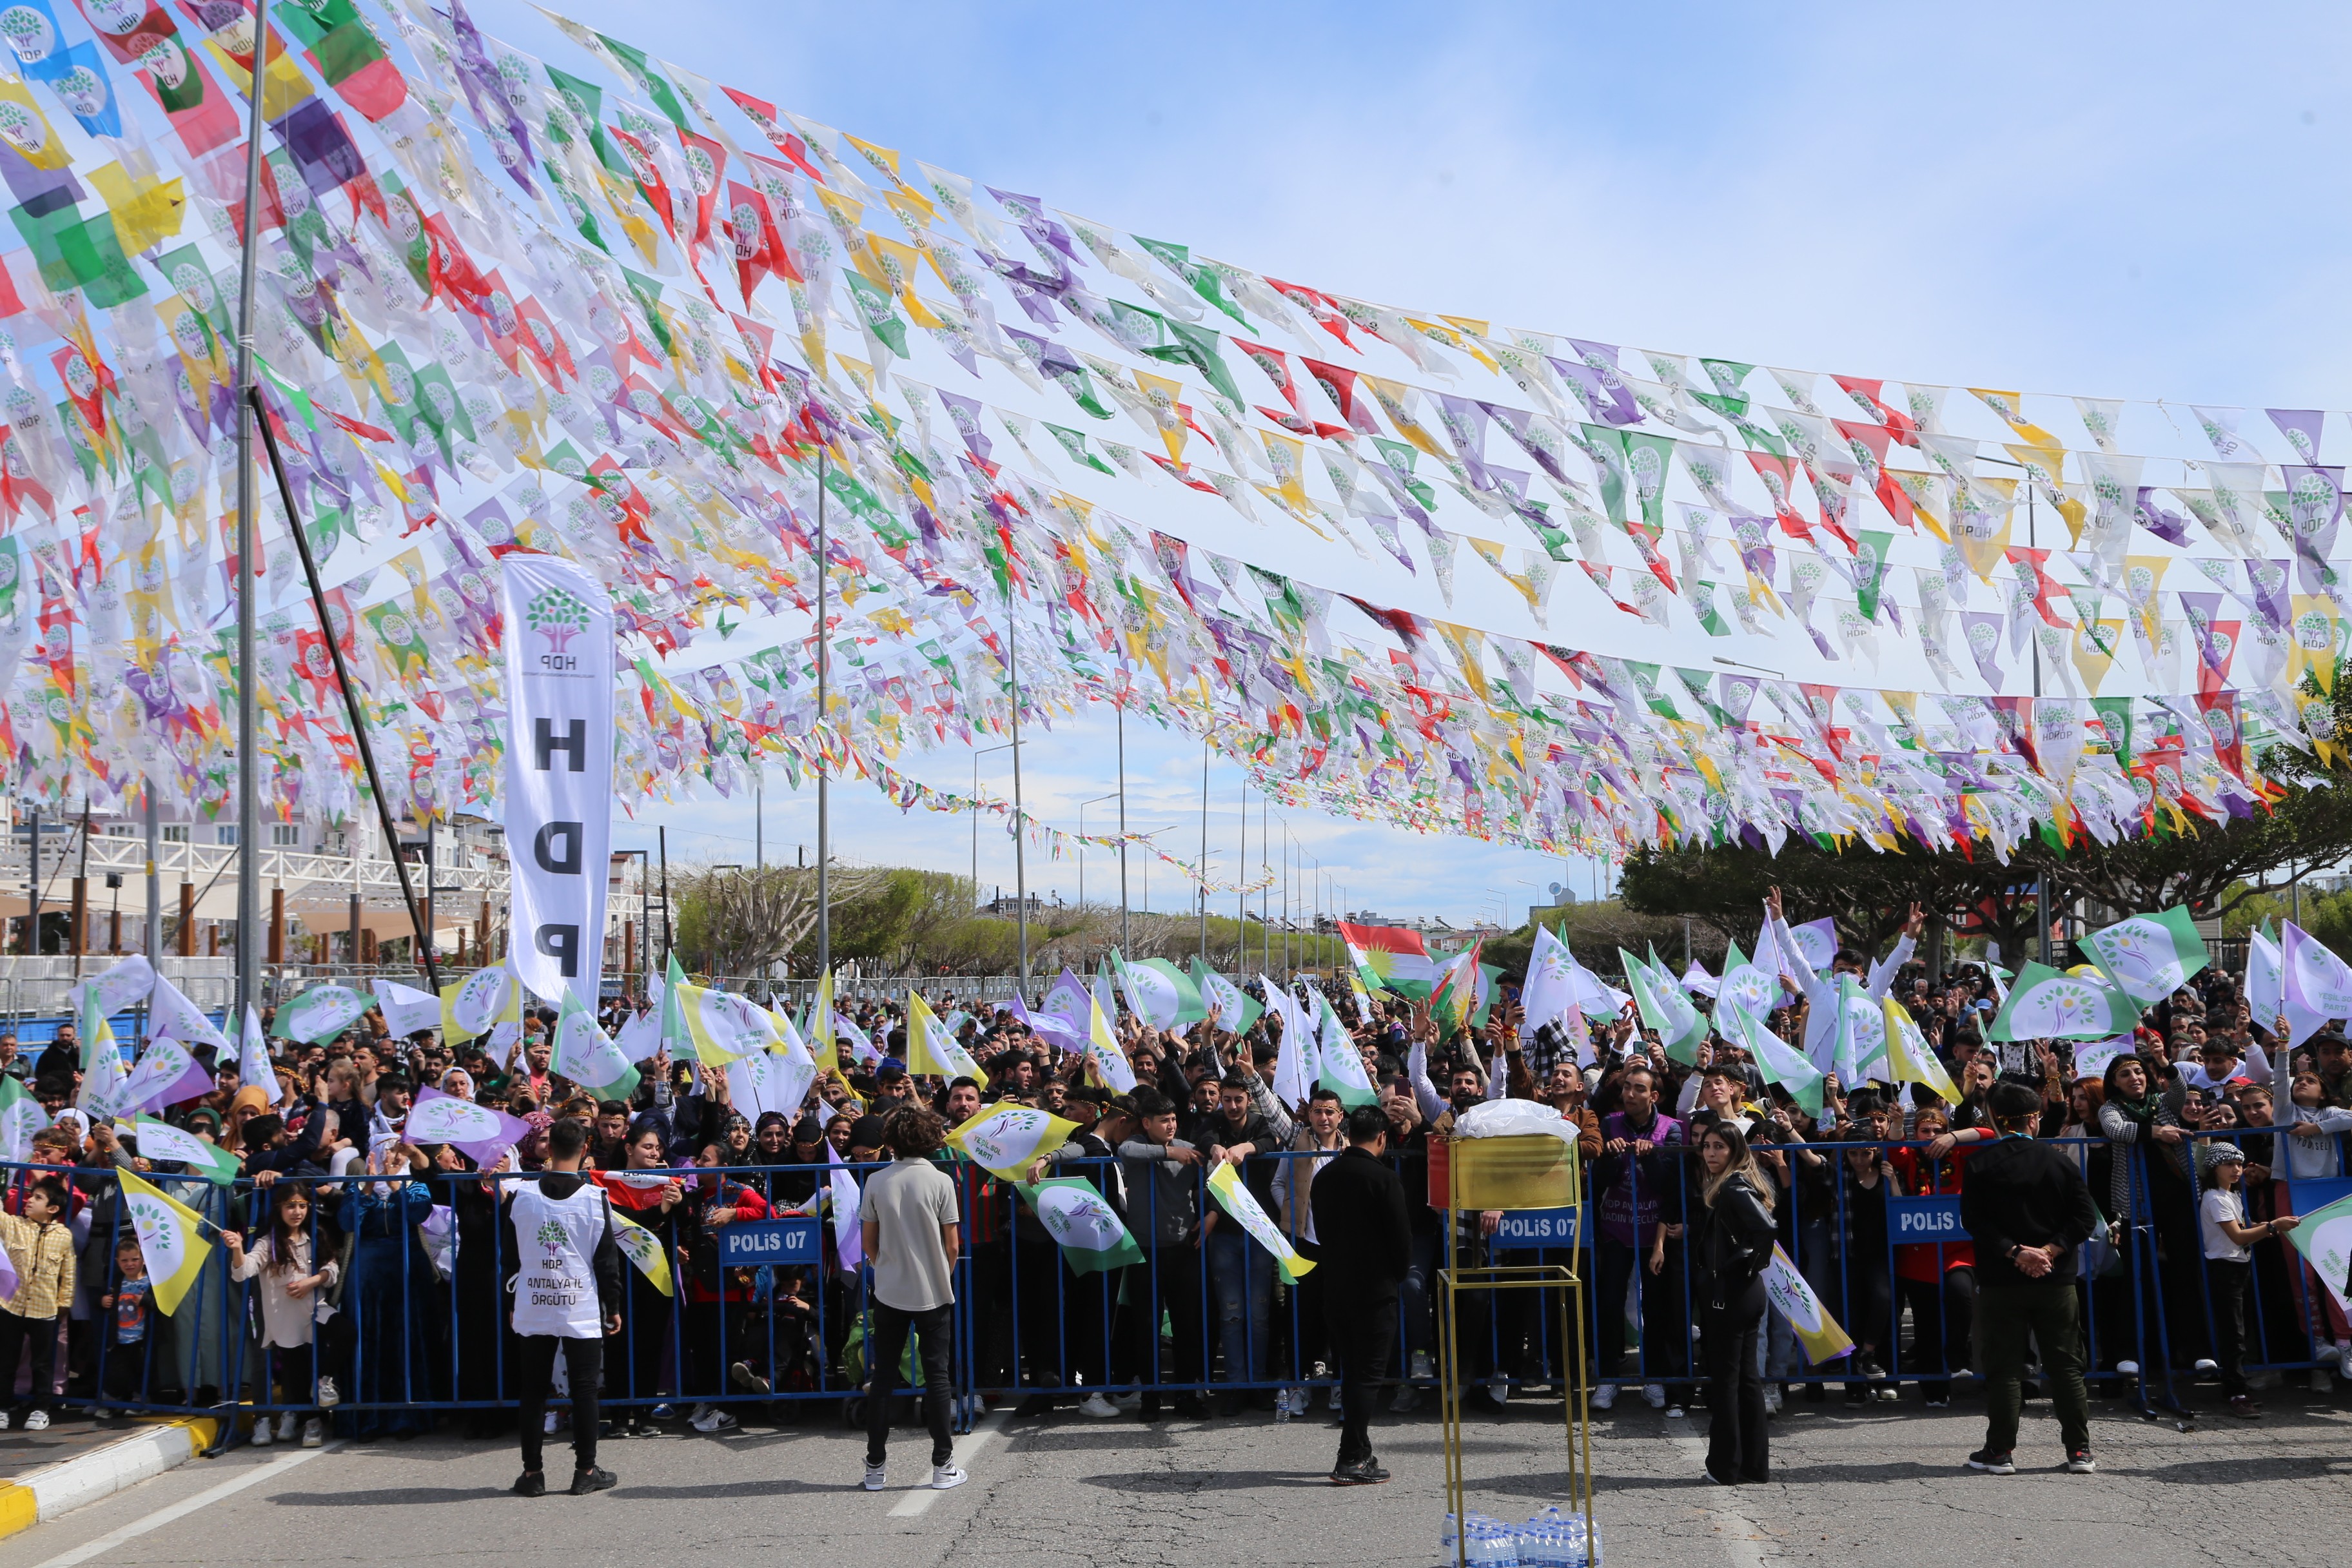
{"x": 486, "y": 91}
{"x": 1610, "y": 406}
{"x": 2200, "y": 609}
{"x": 2267, "y": 581}
{"x": 2165, "y": 524}
{"x": 477, "y": 1130}
{"x": 965, "y": 412}
{"x": 2301, "y": 427}
{"x": 2315, "y": 505}
{"x": 1981, "y": 630}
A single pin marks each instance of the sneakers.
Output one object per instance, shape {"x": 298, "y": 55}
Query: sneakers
{"x": 531, "y": 1483}
{"x": 944, "y": 1477}
{"x": 714, "y": 1419}
{"x": 1333, "y": 1403}
{"x": 877, "y": 1477}
{"x": 547, "y": 1423}
{"x": 2126, "y": 1369}
{"x": 1939, "y": 1402}
{"x": 1654, "y": 1395}
{"x": 1605, "y": 1397}
{"x": 1127, "y": 1402}
{"x": 1406, "y": 1400}
{"x": 262, "y": 1436}
{"x": 1364, "y": 1472}
{"x": 2322, "y": 1381}
{"x": 286, "y": 1424}
{"x": 314, "y": 1432}
{"x": 2207, "y": 1366}
{"x": 1887, "y": 1394}
{"x": 662, "y": 1413}
{"x": 2242, "y": 1405}
{"x": 592, "y": 1480}
{"x": 39, "y": 1421}
{"x": 329, "y": 1396}
{"x": 4, "y": 1421}
{"x": 1995, "y": 1464}
{"x": 1096, "y": 1406}
{"x": 1498, "y": 1389}
{"x": 1772, "y": 1399}
{"x": 747, "y": 1378}
{"x": 1423, "y": 1370}
{"x": 2079, "y": 1462}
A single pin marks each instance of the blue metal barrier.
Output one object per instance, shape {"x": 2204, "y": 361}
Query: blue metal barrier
{"x": 762, "y": 1315}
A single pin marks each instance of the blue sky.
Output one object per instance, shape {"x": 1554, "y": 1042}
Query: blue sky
{"x": 2111, "y": 201}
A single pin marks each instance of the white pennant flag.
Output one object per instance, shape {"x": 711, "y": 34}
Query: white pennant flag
{"x": 253, "y": 1060}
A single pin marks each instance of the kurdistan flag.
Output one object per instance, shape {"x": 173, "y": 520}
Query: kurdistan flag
{"x": 1389, "y": 957}
{"x": 1229, "y": 1006}
{"x": 2147, "y": 957}
{"x": 2324, "y": 1239}
{"x": 1806, "y": 1317}
{"x": 170, "y": 1239}
{"x": 160, "y": 1140}
{"x": 1004, "y": 1138}
{"x": 1235, "y": 1198}
{"x": 1093, "y": 1238}
{"x": 2045, "y": 1005}
{"x": 321, "y": 1013}
{"x": 640, "y": 1246}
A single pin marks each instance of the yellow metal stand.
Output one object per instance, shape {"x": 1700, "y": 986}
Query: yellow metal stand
{"x": 1513, "y": 1174}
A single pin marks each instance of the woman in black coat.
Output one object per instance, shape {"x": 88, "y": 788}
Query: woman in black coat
{"x": 1735, "y": 1243}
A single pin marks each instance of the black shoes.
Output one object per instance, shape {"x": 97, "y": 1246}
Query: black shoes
{"x": 531, "y": 1483}
{"x": 1993, "y": 1464}
{"x": 1365, "y": 1472}
{"x": 592, "y": 1481}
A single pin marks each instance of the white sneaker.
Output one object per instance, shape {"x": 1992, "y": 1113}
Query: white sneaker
{"x": 1655, "y": 1396}
{"x": 314, "y": 1432}
{"x": 39, "y": 1421}
{"x": 946, "y": 1476}
{"x": 1498, "y": 1389}
{"x": 1605, "y": 1396}
{"x": 328, "y": 1395}
{"x": 1421, "y": 1368}
{"x": 2206, "y": 1365}
{"x": 714, "y": 1419}
{"x": 2128, "y": 1369}
{"x": 1772, "y": 1399}
{"x": 1126, "y": 1400}
{"x": 4, "y": 1421}
{"x": 547, "y": 1425}
{"x": 1333, "y": 1403}
{"x": 286, "y": 1423}
{"x": 1096, "y": 1406}
{"x": 877, "y": 1477}
{"x": 261, "y": 1437}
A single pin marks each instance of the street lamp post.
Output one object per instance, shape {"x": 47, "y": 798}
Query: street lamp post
{"x": 1082, "y": 843}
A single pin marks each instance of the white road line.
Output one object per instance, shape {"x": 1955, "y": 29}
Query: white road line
{"x": 916, "y": 1503}
{"x": 1741, "y": 1540}
{"x": 178, "y": 1510}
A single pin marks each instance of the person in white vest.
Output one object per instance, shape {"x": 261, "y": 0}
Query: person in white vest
{"x": 567, "y": 1297}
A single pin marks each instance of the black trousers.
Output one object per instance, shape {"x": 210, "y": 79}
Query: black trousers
{"x": 43, "y": 1335}
{"x": 2226, "y": 1282}
{"x": 884, "y": 1348}
{"x": 1361, "y": 1326}
{"x": 1738, "y": 1446}
{"x": 583, "y": 1365}
{"x": 1665, "y": 1330}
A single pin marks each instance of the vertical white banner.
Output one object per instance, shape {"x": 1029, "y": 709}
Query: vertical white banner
{"x": 559, "y": 784}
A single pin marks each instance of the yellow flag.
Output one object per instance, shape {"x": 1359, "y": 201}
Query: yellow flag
{"x": 1239, "y": 1203}
{"x": 822, "y": 1046}
{"x": 931, "y": 1049}
{"x": 169, "y": 1240}
{"x": 1907, "y": 1053}
{"x": 644, "y": 1249}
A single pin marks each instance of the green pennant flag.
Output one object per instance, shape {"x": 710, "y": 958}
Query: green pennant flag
{"x": 639, "y": 67}
{"x": 1663, "y": 1008}
{"x": 1197, "y": 346}
{"x": 1092, "y": 1236}
{"x": 1228, "y": 1006}
{"x": 1074, "y": 442}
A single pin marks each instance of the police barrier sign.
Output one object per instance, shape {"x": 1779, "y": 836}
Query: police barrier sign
{"x": 1538, "y": 1228}
{"x": 792, "y": 1240}
{"x": 1933, "y": 1218}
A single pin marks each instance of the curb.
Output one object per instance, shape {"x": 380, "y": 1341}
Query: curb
{"x": 57, "y": 1489}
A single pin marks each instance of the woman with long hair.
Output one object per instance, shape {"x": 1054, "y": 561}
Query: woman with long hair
{"x": 648, "y": 1193}
{"x": 1735, "y": 1243}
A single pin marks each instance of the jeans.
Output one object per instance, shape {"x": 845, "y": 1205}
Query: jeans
{"x": 1739, "y": 1446}
{"x": 584, "y": 1365}
{"x": 1415, "y": 1294}
{"x": 883, "y": 1351}
{"x": 1362, "y": 1330}
{"x": 2045, "y": 1311}
{"x": 1240, "y": 1281}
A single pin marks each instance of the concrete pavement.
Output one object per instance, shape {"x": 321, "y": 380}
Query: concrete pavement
{"x": 1883, "y": 1485}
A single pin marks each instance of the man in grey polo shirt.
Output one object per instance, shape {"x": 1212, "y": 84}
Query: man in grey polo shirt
{"x": 909, "y": 1220}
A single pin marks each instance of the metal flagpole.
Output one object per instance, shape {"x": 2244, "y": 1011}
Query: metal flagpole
{"x": 248, "y": 710}
{"x": 1241, "y": 886}
{"x": 2034, "y": 640}
{"x": 1204, "y": 873}
{"x": 823, "y": 787}
{"x": 154, "y": 946}
{"x": 353, "y": 712}
{"x": 1124, "y": 945}
{"x": 1020, "y": 823}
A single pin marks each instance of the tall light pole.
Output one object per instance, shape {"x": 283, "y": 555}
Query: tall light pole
{"x": 1204, "y": 849}
{"x": 1082, "y": 843}
{"x": 248, "y": 538}
{"x": 1124, "y": 944}
{"x": 1020, "y": 825}
{"x": 824, "y": 716}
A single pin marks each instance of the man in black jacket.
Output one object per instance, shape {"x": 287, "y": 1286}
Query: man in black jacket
{"x": 1365, "y": 1240}
{"x": 2029, "y": 1212}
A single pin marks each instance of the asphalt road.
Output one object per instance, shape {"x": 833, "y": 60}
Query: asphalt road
{"x": 1879, "y": 1485}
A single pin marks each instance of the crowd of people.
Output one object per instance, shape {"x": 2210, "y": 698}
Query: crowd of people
{"x": 362, "y": 1282}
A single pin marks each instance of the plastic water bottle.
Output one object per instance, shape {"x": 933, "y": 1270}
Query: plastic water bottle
{"x": 1282, "y": 1409}
{"x": 1448, "y": 1537}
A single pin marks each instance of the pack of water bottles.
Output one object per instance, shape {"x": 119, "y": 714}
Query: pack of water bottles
{"x": 1550, "y": 1539}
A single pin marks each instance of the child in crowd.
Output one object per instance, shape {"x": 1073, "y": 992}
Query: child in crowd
{"x": 2229, "y": 1259}
{"x": 137, "y": 1349}
{"x": 294, "y": 1275}
{"x": 40, "y": 1249}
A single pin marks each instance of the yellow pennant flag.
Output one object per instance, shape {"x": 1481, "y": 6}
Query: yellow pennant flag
{"x": 169, "y": 1240}
{"x": 1005, "y": 1139}
{"x": 1802, "y": 1310}
{"x": 1242, "y": 1206}
{"x": 480, "y": 1002}
{"x": 1908, "y": 1053}
{"x": 644, "y": 1249}
{"x": 822, "y": 1045}
{"x": 931, "y": 1049}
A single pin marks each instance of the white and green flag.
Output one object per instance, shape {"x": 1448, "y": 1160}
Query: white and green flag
{"x": 1341, "y": 1068}
{"x": 1158, "y": 993}
{"x": 1862, "y": 1036}
{"x": 2324, "y": 1239}
{"x": 1229, "y": 1007}
{"x": 2048, "y": 1005}
{"x": 1004, "y": 1138}
{"x": 587, "y": 1056}
{"x": 254, "y": 1068}
{"x": 319, "y": 1014}
{"x": 1232, "y": 1196}
{"x": 1745, "y": 985}
{"x": 159, "y": 1140}
{"x": 1298, "y": 1059}
{"x": 1775, "y": 1057}
{"x": 2149, "y": 956}
{"x": 1665, "y": 1007}
{"x": 21, "y": 1116}
{"x": 1092, "y": 1236}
